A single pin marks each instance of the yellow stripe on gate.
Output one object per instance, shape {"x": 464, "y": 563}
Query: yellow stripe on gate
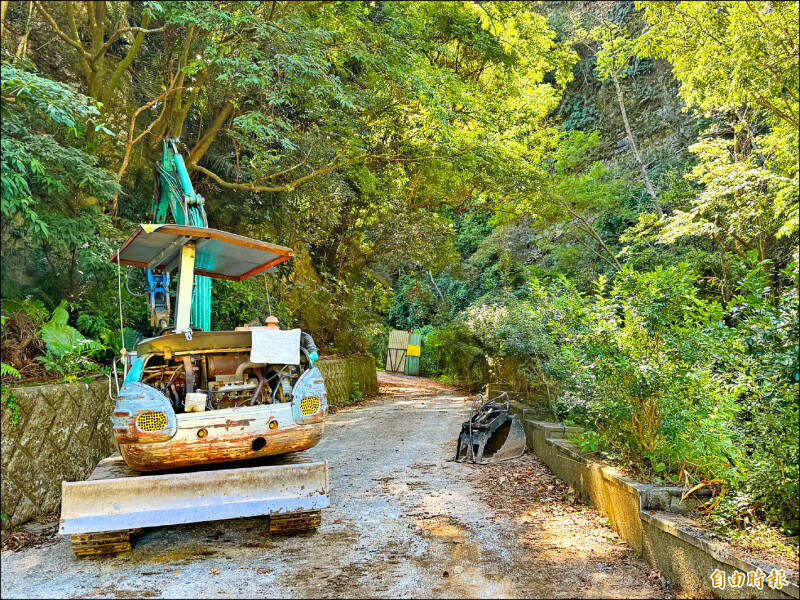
{"x": 413, "y": 350}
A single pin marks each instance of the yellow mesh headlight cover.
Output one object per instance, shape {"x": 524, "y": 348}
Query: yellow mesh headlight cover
{"x": 309, "y": 405}
{"x": 151, "y": 421}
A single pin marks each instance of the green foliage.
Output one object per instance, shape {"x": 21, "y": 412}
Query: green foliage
{"x": 589, "y": 441}
{"x": 51, "y": 186}
{"x": 615, "y": 53}
{"x": 35, "y": 309}
{"x": 580, "y": 113}
{"x": 728, "y": 53}
{"x": 39, "y": 117}
{"x": 7, "y": 396}
{"x": 664, "y": 377}
{"x": 661, "y": 376}
{"x": 68, "y": 351}
{"x": 356, "y": 395}
{"x": 750, "y": 194}
{"x": 451, "y": 351}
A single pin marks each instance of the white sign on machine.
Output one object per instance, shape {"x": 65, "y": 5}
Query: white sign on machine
{"x": 275, "y": 346}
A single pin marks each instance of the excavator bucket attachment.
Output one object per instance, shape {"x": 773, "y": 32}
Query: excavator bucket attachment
{"x": 117, "y": 499}
{"x": 491, "y": 434}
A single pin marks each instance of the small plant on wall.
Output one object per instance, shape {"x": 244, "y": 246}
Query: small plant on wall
{"x": 7, "y": 396}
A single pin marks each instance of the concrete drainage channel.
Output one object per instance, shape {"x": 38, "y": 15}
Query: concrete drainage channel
{"x": 649, "y": 518}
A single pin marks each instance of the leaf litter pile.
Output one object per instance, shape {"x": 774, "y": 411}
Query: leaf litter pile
{"x": 565, "y": 540}
{"x": 21, "y": 539}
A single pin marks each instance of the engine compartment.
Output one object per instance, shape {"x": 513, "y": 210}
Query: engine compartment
{"x": 226, "y": 379}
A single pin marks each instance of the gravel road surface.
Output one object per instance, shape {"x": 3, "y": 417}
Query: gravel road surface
{"x": 405, "y": 521}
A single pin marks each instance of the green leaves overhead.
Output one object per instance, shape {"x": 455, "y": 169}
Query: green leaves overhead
{"x": 729, "y": 53}
{"x": 42, "y": 120}
{"x": 615, "y": 53}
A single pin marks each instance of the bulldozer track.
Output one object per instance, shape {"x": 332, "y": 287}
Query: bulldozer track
{"x": 108, "y": 544}
{"x": 287, "y": 524}
{"x": 105, "y": 544}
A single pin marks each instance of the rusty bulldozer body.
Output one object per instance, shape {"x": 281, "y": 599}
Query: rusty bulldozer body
{"x": 196, "y": 403}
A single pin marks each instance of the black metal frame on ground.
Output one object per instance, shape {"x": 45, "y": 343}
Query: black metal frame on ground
{"x": 490, "y": 430}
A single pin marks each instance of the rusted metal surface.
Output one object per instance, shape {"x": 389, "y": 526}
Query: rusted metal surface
{"x": 131, "y": 434}
{"x": 220, "y": 254}
{"x": 189, "y": 373}
{"x": 229, "y": 434}
{"x": 105, "y": 544}
{"x": 227, "y": 424}
{"x": 226, "y": 364}
{"x": 491, "y": 434}
{"x": 202, "y": 341}
{"x": 294, "y": 522}
{"x": 227, "y": 441}
{"x": 136, "y": 399}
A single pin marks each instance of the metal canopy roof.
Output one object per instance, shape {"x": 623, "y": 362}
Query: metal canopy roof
{"x": 218, "y": 254}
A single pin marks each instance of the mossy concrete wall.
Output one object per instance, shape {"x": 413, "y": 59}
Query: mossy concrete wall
{"x": 64, "y": 430}
{"x": 652, "y": 519}
{"x": 344, "y": 376}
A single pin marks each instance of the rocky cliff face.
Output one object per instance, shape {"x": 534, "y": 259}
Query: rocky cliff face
{"x": 661, "y": 127}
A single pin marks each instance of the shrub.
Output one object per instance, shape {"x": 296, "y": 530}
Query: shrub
{"x": 659, "y": 375}
{"x": 452, "y": 351}
{"x": 68, "y": 351}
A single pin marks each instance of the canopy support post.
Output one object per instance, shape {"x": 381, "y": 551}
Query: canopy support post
{"x": 185, "y": 285}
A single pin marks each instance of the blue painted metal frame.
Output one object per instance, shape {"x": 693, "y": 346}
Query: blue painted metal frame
{"x": 310, "y": 383}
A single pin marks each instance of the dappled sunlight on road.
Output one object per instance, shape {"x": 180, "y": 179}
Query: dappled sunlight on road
{"x": 405, "y": 521}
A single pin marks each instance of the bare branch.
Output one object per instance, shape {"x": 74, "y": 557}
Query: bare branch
{"x": 75, "y": 43}
{"x": 133, "y": 141}
{"x": 330, "y": 166}
{"x": 279, "y": 173}
{"x": 115, "y": 36}
{"x": 252, "y": 187}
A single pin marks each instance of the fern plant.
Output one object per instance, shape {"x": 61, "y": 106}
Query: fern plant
{"x": 68, "y": 351}
{"x": 7, "y": 396}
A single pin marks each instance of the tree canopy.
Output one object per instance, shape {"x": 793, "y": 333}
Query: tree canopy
{"x": 595, "y": 203}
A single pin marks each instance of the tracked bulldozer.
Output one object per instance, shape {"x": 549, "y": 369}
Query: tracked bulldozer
{"x": 491, "y": 434}
{"x": 208, "y": 423}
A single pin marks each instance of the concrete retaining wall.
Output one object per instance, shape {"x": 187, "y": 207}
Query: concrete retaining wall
{"x": 649, "y": 518}
{"x": 344, "y": 375}
{"x": 64, "y": 430}
{"x": 61, "y": 433}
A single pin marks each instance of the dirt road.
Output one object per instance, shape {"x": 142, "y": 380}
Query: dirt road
{"x": 404, "y": 522}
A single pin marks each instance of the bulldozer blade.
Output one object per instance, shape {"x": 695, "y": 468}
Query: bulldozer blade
{"x": 122, "y": 503}
{"x": 504, "y": 443}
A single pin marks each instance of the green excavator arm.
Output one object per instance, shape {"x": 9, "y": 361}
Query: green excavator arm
{"x": 174, "y": 192}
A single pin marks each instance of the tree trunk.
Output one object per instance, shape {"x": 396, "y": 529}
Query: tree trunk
{"x": 590, "y": 230}
{"x": 648, "y": 186}
{"x": 22, "y": 48}
{"x": 3, "y": 8}
{"x": 209, "y": 136}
